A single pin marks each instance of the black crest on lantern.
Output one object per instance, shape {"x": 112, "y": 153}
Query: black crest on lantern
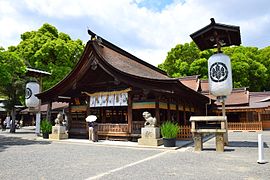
{"x": 218, "y": 72}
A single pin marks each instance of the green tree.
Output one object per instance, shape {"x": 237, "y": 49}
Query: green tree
{"x": 199, "y": 66}
{"x": 12, "y": 70}
{"x": 49, "y": 50}
{"x": 250, "y": 66}
{"x": 180, "y": 58}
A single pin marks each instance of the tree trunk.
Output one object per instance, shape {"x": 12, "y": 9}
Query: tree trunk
{"x": 13, "y": 115}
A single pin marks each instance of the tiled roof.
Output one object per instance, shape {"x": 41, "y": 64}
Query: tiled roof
{"x": 192, "y": 82}
{"x": 204, "y": 86}
{"x": 128, "y": 63}
{"x": 237, "y": 97}
{"x": 118, "y": 63}
{"x": 257, "y": 100}
{"x": 43, "y": 108}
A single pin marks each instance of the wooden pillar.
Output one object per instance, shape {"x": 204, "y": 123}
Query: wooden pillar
{"x": 157, "y": 113}
{"x": 177, "y": 112}
{"x": 49, "y": 109}
{"x": 168, "y": 110}
{"x": 129, "y": 113}
{"x": 185, "y": 117}
{"x": 259, "y": 116}
{"x": 103, "y": 116}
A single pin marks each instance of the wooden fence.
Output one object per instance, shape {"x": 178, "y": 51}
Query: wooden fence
{"x": 246, "y": 126}
{"x": 184, "y": 133}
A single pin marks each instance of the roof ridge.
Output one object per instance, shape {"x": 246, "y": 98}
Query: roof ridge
{"x": 189, "y": 77}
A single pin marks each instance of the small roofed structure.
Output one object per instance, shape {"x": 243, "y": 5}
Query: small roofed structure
{"x": 215, "y": 35}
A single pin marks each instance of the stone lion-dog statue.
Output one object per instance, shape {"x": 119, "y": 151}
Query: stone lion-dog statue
{"x": 149, "y": 120}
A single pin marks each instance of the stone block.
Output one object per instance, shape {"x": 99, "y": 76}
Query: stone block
{"x": 58, "y": 136}
{"x": 58, "y": 133}
{"x": 150, "y": 137}
{"x": 58, "y": 130}
{"x": 150, "y": 142}
{"x": 150, "y": 133}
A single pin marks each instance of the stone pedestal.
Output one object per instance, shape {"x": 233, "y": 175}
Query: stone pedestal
{"x": 150, "y": 137}
{"x": 198, "y": 144}
{"x": 58, "y": 133}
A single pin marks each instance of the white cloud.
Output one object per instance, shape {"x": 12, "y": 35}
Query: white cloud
{"x": 11, "y": 23}
{"x": 141, "y": 31}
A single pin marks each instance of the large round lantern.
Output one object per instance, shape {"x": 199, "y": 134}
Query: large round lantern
{"x": 220, "y": 75}
{"x": 32, "y": 88}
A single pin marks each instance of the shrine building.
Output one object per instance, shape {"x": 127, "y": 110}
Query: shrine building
{"x": 118, "y": 87}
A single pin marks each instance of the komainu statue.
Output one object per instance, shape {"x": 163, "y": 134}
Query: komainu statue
{"x": 59, "y": 120}
{"x": 149, "y": 120}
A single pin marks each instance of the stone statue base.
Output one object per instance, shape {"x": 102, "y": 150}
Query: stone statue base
{"x": 58, "y": 133}
{"x": 150, "y": 137}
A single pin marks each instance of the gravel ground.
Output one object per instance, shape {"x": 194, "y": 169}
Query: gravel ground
{"x": 23, "y": 156}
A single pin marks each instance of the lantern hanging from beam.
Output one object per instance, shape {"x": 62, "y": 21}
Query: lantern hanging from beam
{"x": 32, "y": 88}
{"x": 220, "y": 75}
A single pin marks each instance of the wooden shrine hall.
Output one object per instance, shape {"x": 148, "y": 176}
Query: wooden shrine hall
{"x": 118, "y": 87}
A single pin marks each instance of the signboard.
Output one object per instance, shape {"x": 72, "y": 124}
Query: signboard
{"x": 107, "y": 99}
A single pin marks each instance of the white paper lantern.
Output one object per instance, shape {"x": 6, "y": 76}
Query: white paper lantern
{"x": 32, "y": 88}
{"x": 220, "y": 75}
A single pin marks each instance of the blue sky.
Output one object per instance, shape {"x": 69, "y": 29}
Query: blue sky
{"x": 146, "y": 28}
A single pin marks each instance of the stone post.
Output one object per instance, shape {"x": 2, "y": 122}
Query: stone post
{"x": 198, "y": 144}
{"x": 220, "y": 142}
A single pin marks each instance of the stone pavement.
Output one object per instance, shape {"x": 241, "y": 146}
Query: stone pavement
{"x": 34, "y": 158}
{"x": 28, "y": 133}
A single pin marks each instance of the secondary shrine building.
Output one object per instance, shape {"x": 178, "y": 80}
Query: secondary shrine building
{"x": 118, "y": 87}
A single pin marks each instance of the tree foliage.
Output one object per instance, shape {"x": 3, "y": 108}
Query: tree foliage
{"x": 49, "y": 50}
{"x": 12, "y": 69}
{"x": 250, "y": 65}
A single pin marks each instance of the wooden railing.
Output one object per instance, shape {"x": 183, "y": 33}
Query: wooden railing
{"x": 266, "y": 124}
{"x": 246, "y": 126}
{"x": 136, "y": 126}
{"x": 109, "y": 128}
{"x": 112, "y": 128}
{"x": 184, "y": 133}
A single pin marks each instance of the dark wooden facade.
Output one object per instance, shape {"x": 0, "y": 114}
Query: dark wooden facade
{"x": 106, "y": 69}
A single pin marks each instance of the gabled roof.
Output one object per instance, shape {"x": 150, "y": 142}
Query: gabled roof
{"x": 121, "y": 66}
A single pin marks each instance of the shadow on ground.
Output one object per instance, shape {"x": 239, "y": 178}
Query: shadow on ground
{"x": 6, "y": 142}
{"x": 245, "y": 144}
{"x": 214, "y": 149}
